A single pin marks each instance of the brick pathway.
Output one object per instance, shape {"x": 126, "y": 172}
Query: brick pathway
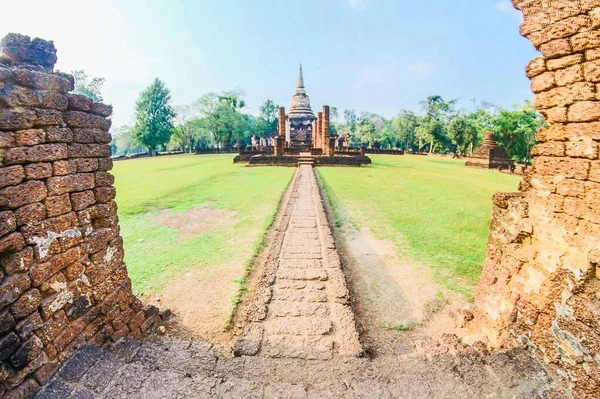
{"x": 307, "y": 303}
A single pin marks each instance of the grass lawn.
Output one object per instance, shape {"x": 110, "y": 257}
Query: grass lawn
{"x": 154, "y": 251}
{"x": 435, "y": 211}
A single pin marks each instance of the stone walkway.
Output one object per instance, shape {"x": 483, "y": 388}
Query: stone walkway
{"x": 306, "y": 303}
{"x": 159, "y": 367}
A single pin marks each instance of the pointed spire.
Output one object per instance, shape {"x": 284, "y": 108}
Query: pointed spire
{"x": 300, "y": 79}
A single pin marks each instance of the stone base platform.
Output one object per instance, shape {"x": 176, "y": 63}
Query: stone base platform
{"x": 316, "y": 160}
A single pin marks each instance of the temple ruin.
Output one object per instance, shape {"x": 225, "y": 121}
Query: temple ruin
{"x": 490, "y": 155}
{"x": 64, "y": 283}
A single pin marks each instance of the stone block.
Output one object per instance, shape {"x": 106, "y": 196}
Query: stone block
{"x": 102, "y": 109}
{"x": 82, "y": 200}
{"x": 86, "y": 120}
{"x": 59, "y": 135}
{"x": 31, "y": 213}
{"x": 550, "y": 148}
{"x": 561, "y": 167}
{"x": 585, "y": 41}
{"x": 37, "y": 153}
{"x": 591, "y": 55}
{"x": 564, "y": 62}
{"x": 585, "y": 148}
{"x": 23, "y": 194}
{"x": 5, "y": 139}
{"x": 64, "y": 168}
{"x": 543, "y": 82}
{"x": 26, "y": 304}
{"x": 43, "y": 271}
{"x": 105, "y": 164}
{"x": 555, "y": 115}
{"x": 15, "y": 119}
{"x": 7, "y": 323}
{"x": 569, "y": 75}
{"x": 65, "y": 184}
{"x": 41, "y": 80}
{"x": 29, "y": 137}
{"x": 536, "y": 67}
{"x": 86, "y": 136}
{"x": 556, "y": 49}
{"x": 85, "y": 165}
{"x": 595, "y": 172}
{"x": 17, "y": 262}
{"x": 585, "y": 111}
{"x": 11, "y": 243}
{"x": 105, "y": 194}
{"x": 54, "y": 284}
{"x": 591, "y": 71}
{"x": 18, "y": 96}
{"x": 79, "y": 102}
{"x": 104, "y": 179}
{"x": 9, "y": 345}
{"x": 11, "y": 175}
{"x": 12, "y": 287}
{"x": 8, "y": 222}
{"x": 27, "y": 389}
{"x": 41, "y": 170}
{"x": 22, "y": 50}
{"x": 89, "y": 150}
{"x": 58, "y": 205}
{"x": 102, "y": 137}
{"x": 47, "y": 117}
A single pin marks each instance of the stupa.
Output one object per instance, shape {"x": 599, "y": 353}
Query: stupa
{"x": 300, "y": 118}
{"x": 490, "y": 155}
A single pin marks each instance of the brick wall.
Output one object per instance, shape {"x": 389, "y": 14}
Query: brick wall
{"x": 540, "y": 282}
{"x": 63, "y": 283}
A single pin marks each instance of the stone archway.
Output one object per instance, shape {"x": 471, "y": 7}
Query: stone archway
{"x": 540, "y": 284}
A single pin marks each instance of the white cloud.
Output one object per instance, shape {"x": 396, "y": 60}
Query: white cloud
{"x": 507, "y": 6}
{"x": 360, "y": 5}
{"x": 424, "y": 69}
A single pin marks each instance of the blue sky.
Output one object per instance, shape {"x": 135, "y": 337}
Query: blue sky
{"x": 371, "y": 55}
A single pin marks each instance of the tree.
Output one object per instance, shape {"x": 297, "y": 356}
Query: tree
{"x": 406, "y": 124}
{"x": 268, "y": 121}
{"x": 186, "y": 131}
{"x": 437, "y": 115}
{"x": 463, "y": 132}
{"x": 222, "y": 117}
{"x": 88, "y": 86}
{"x": 154, "y": 116}
{"x": 515, "y": 130}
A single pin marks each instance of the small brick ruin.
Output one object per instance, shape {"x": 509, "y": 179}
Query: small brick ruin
{"x": 540, "y": 282}
{"x": 490, "y": 155}
{"x": 63, "y": 283}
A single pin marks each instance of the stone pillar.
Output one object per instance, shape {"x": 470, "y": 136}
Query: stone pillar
{"x": 331, "y": 151}
{"x": 363, "y": 150}
{"x": 314, "y": 134}
{"x": 282, "y": 121}
{"x": 325, "y": 131}
{"x": 540, "y": 281}
{"x": 320, "y": 131}
{"x": 63, "y": 282}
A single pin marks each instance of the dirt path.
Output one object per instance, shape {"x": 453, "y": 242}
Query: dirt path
{"x": 302, "y": 309}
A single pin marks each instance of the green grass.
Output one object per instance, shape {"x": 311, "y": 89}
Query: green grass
{"x": 399, "y": 327}
{"x": 184, "y": 182}
{"x": 435, "y": 211}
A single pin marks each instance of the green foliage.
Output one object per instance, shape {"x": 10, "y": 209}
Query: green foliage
{"x": 268, "y": 121}
{"x": 87, "y": 85}
{"x": 399, "y": 327}
{"x": 222, "y": 116}
{"x": 462, "y": 131}
{"x": 435, "y": 211}
{"x": 154, "y": 116}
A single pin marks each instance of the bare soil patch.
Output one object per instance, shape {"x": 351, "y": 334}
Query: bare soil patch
{"x": 192, "y": 223}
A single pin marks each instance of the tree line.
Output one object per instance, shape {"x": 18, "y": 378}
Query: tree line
{"x": 220, "y": 120}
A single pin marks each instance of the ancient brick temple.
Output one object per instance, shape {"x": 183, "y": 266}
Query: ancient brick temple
{"x": 300, "y": 118}
{"x": 490, "y": 155}
{"x": 540, "y": 283}
{"x": 63, "y": 283}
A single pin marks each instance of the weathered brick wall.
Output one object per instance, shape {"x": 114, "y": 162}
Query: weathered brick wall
{"x": 63, "y": 282}
{"x": 540, "y": 283}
